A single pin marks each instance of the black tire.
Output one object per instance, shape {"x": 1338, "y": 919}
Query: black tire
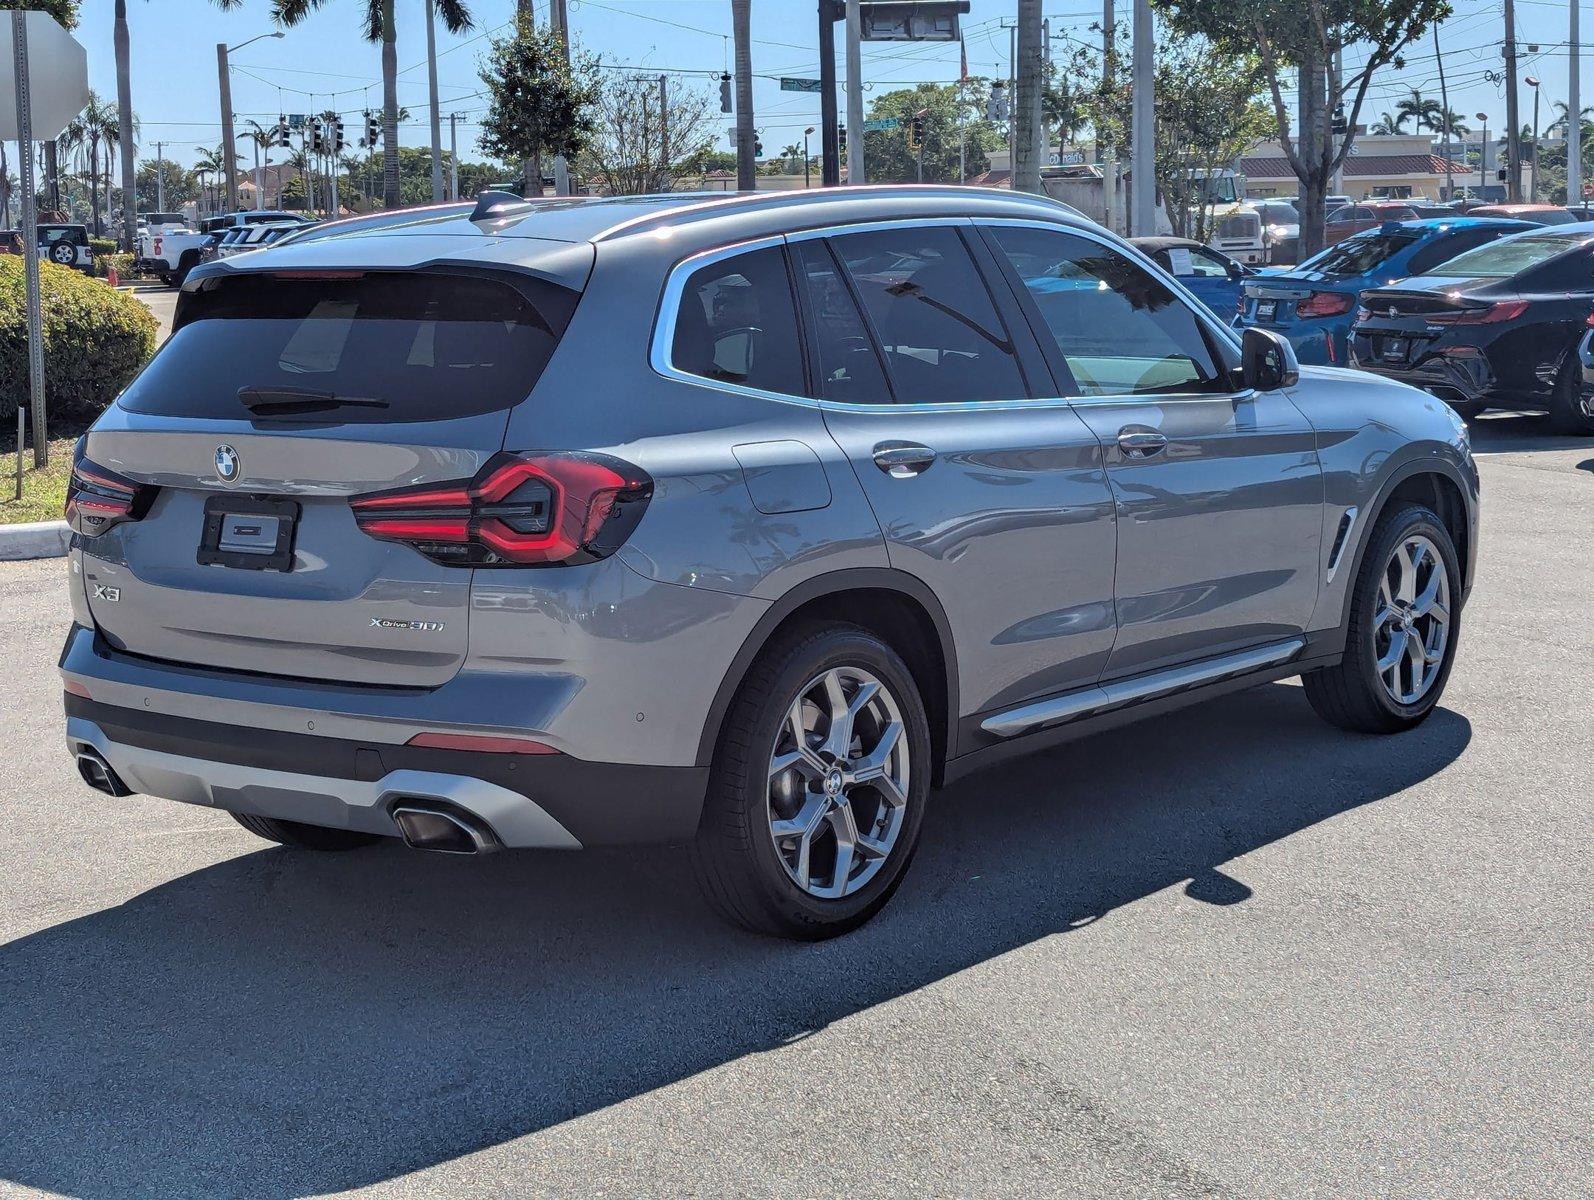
{"x": 1351, "y": 695}
{"x": 301, "y": 836}
{"x": 1571, "y": 412}
{"x": 735, "y": 857}
{"x": 168, "y": 279}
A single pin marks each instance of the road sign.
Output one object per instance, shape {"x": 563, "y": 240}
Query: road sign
{"x": 881, "y": 124}
{"x": 58, "y": 77}
{"x": 788, "y": 84}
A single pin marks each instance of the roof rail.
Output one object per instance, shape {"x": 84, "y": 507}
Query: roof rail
{"x": 734, "y": 200}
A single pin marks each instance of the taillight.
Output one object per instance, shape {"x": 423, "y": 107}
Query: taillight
{"x": 520, "y": 510}
{"x": 97, "y": 498}
{"x": 156, "y": 249}
{"x": 1501, "y": 310}
{"x": 1325, "y": 304}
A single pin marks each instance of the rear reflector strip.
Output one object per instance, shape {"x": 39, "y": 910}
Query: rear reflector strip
{"x": 479, "y": 744}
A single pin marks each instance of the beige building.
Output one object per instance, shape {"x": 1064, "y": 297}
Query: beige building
{"x": 1400, "y": 166}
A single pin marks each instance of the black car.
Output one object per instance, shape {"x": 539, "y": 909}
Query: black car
{"x": 1496, "y": 327}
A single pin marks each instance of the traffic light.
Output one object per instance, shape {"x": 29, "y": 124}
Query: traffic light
{"x": 280, "y": 134}
{"x": 841, "y": 141}
{"x": 337, "y": 135}
{"x": 1338, "y": 124}
{"x": 996, "y": 106}
{"x": 373, "y": 130}
{"x": 314, "y": 137}
{"x": 758, "y": 146}
{"x": 916, "y": 131}
{"x": 725, "y": 92}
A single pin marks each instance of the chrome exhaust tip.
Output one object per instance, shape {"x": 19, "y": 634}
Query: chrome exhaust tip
{"x": 98, "y": 774}
{"x": 427, "y": 825}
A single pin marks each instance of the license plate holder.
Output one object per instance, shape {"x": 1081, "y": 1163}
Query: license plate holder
{"x": 1395, "y": 349}
{"x": 248, "y": 533}
{"x": 1265, "y": 309}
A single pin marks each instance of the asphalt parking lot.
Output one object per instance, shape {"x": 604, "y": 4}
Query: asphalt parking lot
{"x": 1228, "y": 952}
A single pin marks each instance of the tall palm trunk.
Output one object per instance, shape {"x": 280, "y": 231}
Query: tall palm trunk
{"x": 52, "y": 175}
{"x": 390, "y": 155}
{"x": 94, "y": 185}
{"x": 5, "y": 187}
{"x": 124, "y": 117}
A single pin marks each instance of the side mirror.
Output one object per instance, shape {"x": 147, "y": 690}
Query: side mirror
{"x": 1267, "y": 361}
{"x": 1236, "y": 271}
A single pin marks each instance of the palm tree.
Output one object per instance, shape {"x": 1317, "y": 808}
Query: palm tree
{"x": 1422, "y": 111}
{"x": 1386, "y": 124}
{"x": 126, "y": 135}
{"x": 380, "y": 27}
{"x": 98, "y": 126}
{"x": 1562, "y": 124}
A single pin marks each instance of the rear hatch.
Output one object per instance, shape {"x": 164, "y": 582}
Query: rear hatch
{"x": 1327, "y": 284}
{"x": 1399, "y": 326}
{"x": 235, "y": 455}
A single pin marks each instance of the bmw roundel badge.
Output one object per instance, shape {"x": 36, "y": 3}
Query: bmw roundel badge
{"x": 227, "y": 463}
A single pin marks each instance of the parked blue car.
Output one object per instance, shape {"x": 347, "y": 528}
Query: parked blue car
{"x": 1211, "y": 276}
{"x": 1315, "y": 303}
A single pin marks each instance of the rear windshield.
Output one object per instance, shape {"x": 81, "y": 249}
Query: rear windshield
{"x": 371, "y": 348}
{"x": 1507, "y": 257}
{"x": 1276, "y": 212}
{"x": 1360, "y": 254}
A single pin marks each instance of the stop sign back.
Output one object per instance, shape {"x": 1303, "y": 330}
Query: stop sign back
{"x": 58, "y": 75}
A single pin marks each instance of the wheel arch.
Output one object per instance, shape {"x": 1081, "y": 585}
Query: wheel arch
{"x": 1437, "y": 485}
{"x": 899, "y": 607}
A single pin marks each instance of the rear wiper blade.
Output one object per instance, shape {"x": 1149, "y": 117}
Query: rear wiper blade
{"x": 268, "y": 400}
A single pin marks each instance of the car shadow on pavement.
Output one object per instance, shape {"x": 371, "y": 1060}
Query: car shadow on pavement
{"x": 1518, "y": 433}
{"x": 287, "y": 1024}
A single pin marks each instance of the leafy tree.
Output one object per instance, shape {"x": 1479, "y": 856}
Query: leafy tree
{"x": 1208, "y": 112}
{"x": 886, "y": 151}
{"x": 1295, "y": 40}
{"x": 177, "y": 185}
{"x": 537, "y": 104}
{"x": 381, "y": 27}
{"x": 626, "y": 155}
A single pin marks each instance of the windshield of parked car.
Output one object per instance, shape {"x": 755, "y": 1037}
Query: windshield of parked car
{"x": 1509, "y": 256}
{"x": 1362, "y": 253}
{"x": 1276, "y": 212}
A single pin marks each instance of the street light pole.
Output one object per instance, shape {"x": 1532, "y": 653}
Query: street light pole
{"x": 453, "y": 156}
{"x": 1533, "y": 188}
{"x": 229, "y": 154}
{"x": 1483, "y": 155}
{"x": 806, "y": 133}
{"x": 1574, "y": 111}
{"x": 855, "y": 167}
{"x": 160, "y": 177}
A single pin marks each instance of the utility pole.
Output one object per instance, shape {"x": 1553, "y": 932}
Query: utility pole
{"x": 855, "y": 167}
{"x": 1106, "y": 155}
{"x": 437, "y": 117}
{"x": 664, "y": 132}
{"x": 1027, "y": 98}
{"x": 1335, "y": 103}
{"x": 226, "y": 127}
{"x": 160, "y": 177}
{"x": 746, "y": 168}
{"x": 1513, "y": 133}
{"x": 829, "y": 141}
{"x": 559, "y": 22}
{"x": 453, "y": 156}
{"x": 30, "y": 241}
{"x": 1574, "y": 119}
{"x": 1144, "y": 148}
{"x": 1444, "y": 102}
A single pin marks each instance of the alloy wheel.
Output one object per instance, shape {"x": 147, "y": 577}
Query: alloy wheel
{"x": 838, "y": 782}
{"x": 1411, "y": 625}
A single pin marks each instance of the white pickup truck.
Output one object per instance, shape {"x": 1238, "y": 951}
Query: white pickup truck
{"x": 172, "y": 253}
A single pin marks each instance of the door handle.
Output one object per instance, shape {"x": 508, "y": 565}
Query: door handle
{"x": 903, "y": 460}
{"x": 1140, "y": 441}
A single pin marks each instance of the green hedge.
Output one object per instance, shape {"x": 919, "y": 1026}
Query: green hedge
{"x": 99, "y": 246}
{"x": 95, "y": 340}
{"x": 122, "y": 262}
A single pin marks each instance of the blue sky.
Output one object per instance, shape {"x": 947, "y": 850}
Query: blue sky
{"x": 325, "y": 64}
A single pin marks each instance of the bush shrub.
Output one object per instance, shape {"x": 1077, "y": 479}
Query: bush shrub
{"x": 95, "y": 340}
{"x": 122, "y": 262}
{"x": 99, "y": 246}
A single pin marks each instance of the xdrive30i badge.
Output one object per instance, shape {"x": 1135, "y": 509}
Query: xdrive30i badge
{"x": 412, "y": 626}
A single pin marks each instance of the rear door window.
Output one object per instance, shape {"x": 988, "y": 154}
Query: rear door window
{"x": 932, "y": 315}
{"x": 370, "y": 348}
{"x": 736, "y": 323}
{"x": 1359, "y": 254}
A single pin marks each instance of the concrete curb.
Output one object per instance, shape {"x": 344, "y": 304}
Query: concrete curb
{"x": 36, "y": 539}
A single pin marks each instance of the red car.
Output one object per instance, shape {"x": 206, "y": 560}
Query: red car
{"x": 1539, "y": 214}
{"x": 1363, "y": 215}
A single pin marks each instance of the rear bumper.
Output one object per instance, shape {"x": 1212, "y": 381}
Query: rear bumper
{"x": 550, "y": 801}
{"x": 1466, "y": 380}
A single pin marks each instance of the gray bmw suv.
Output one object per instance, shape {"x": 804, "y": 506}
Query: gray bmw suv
{"x": 739, "y": 521}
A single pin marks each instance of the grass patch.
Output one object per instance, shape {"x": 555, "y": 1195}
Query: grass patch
{"x": 43, "y": 492}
